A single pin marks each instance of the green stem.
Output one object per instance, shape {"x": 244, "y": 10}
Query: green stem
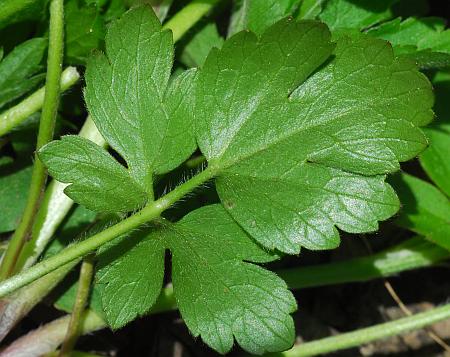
{"x": 84, "y": 286}
{"x": 412, "y": 254}
{"x": 187, "y": 17}
{"x": 148, "y": 213}
{"x": 53, "y": 209}
{"x": 16, "y": 115}
{"x": 195, "y": 162}
{"x": 365, "y": 335}
{"x": 45, "y": 134}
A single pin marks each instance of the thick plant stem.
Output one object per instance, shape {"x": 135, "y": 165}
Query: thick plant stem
{"x": 16, "y": 115}
{"x": 182, "y": 21}
{"x": 45, "y": 134}
{"x": 84, "y": 285}
{"x": 365, "y": 335}
{"x": 148, "y": 213}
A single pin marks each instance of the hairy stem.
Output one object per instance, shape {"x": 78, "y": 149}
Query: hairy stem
{"x": 148, "y": 213}
{"x": 16, "y": 115}
{"x": 45, "y": 134}
{"x": 84, "y": 286}
{"x": 365, "y": 335}
{"x": 182, "y": 21}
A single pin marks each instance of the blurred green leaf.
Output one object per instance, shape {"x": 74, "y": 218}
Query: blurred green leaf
{"x": 425, "y": 209}
{"x": 18, "y": 69}
{"x": 197, "y": 48}
{"x": 85, "y": 31}
{"x": 358, "y": 14}
{"x": 435, "y": 160}
{"x": 14, "y": 185}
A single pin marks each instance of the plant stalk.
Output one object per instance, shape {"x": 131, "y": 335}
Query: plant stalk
{"x": 148, "y": 213}
{"x": 366, "y": 335}
{"x": 412, "y": 254}
{"x": 84, "y": 286}
{"x": 45, "y": 134}
{"x": 16, "y": 115}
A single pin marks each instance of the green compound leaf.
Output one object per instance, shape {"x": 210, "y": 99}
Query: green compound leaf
{"x": 18, "y": 69}
{"x": 130, "y": 100}
{"x": 293, "y": 163}
{"x": 141, "y": 115}
{"x": 220, "y": 293}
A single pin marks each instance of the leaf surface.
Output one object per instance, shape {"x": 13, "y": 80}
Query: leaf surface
{"x": 360, "y": 14}
{"x": 130, "y": 277}
{"x": 300, "y": 144}
{"x": 258, "y": 15}
{"x": 128, "y": 96}
{"x": 141, "y": 115}
{"x": 310, "y": 9}
{"x": 425, "y": 210}
{"x": 18, "y": 69}
{"x": 423, "y": 33}
{"x": 95, "y": 178}
{"x": 196, "y": 50}
{"x": 14, "y": 183}
{"x": 221, "y": 294}
{"x": 435, "y": 159}
{"x": 84, "y": 32}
